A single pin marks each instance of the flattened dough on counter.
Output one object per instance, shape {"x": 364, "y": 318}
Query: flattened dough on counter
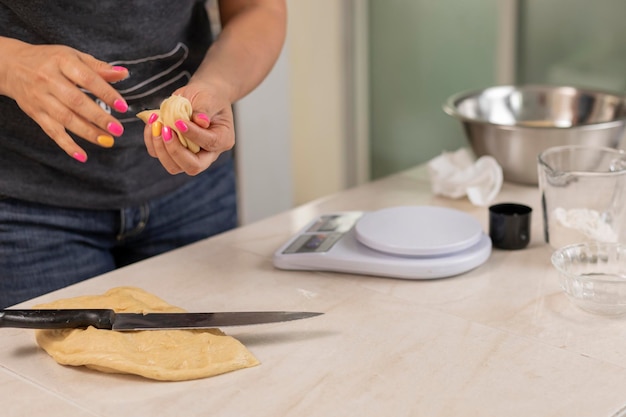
{"x": 167, "y": 355}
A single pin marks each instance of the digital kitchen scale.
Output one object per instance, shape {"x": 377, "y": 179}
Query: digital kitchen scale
{"x": 410, "y": 242}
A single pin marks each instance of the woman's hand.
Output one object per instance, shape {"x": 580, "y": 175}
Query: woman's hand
{"x": 211, "y": 128}
{"x": 252, "y": 35}
{"x": 48, "y": 82}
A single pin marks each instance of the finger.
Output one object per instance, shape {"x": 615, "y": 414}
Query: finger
{"x": 78, "y": 125}
{"x": 207, "y": 158}
{"x": 95, "y": 76}
{"x": 92, "y": 120}
{"x": 80, "y": 74}
{"x": 148, "y": 140}
{"x": 60, "y": 136}
{"x": 99, "y": 65}
{"x": 188, "y": 162}
{"x": 114, "y": 74}
{"x": 152, "y": 134}
{"x": 169, "y": 150}
{"x": 54, "y": 113}
{"x": 201, "y": 119}
{"x": 216, "y": 138}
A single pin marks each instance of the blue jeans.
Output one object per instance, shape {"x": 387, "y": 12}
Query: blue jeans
{"x": 43, "y": 248}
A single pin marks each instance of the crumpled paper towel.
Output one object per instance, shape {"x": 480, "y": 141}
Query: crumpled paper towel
{"x": 457, "y": 174}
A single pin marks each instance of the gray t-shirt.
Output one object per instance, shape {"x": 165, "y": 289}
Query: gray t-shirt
{"x": 161, "y": 43}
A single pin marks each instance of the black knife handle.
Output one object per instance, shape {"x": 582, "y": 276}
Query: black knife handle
{"x": 58, "y": 319}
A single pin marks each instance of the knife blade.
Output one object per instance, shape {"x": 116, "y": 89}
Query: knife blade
{"x": 110, "y": 320}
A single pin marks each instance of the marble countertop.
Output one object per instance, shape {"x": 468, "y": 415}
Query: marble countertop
{"x": 501, "y": 339}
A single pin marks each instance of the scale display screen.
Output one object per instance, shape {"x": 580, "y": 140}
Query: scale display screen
{"x": 323, "y": 233}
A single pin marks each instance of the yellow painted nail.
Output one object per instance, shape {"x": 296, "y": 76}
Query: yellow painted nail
{"x": 156, "y": 128}
{"x": 106, "y": 140}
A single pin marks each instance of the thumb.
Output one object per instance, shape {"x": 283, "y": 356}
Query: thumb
{"x": 201, "y": 119}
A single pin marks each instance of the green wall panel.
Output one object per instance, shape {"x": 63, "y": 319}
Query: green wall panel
{"x": 421, "y": 52}
{"x": 575, "y": 42}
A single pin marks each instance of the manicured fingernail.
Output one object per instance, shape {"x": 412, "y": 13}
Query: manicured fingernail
{"x": 120, "y": 105}
{"x": 156, "y": 129}
{"x": 106, "y": 140}
{"x": 180, "y": 125}
{"x": 203, "y": 117}
{"x": 153, "y": 118}
{"x": 119, "y": 68}
{"x": 167, "y": 134}
{"x": 115, "y": 129}
{"x": 80, "y": 157}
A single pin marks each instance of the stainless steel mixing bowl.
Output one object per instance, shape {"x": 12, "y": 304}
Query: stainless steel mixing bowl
{"x": 516, "y": 123}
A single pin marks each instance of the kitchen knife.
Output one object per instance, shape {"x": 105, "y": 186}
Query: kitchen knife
{"x": 110, "y": 320}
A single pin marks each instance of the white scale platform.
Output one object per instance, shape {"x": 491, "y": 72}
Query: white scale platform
{"x": 410, "y": 242}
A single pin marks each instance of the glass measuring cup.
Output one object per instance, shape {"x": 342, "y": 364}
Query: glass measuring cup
{"x": 583, "y": 194}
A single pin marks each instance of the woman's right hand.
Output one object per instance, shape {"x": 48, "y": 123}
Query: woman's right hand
{"x": 47, "y": 82}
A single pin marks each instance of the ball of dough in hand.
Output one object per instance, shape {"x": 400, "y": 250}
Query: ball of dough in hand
{"x": 172, "y": 109}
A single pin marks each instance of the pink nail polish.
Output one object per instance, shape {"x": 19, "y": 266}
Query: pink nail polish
{"x": 166, "y": 133}
{"x": 180, "y": 125}
{"x": 80, "y": 157}
{"x": 153, "y": 118}
{"x": 115, "y": 129}
{"x": 118, "y": 68}
{"x": 120, "y": 105}
{"x": 204, "y": 117}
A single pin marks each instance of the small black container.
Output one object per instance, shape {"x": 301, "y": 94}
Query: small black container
{"x": 509, "y": 225}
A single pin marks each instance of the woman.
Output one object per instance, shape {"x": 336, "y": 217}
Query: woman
{"x": 85, "y": 186}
